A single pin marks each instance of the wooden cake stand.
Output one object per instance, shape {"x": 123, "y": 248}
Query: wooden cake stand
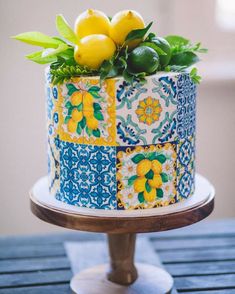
{"x": 121, "y": 275}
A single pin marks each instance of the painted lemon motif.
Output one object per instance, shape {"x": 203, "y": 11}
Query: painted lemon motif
{"x": 72, "y": 126}
{"x": 91, "y": 22}
{"x": 139, "y": 184}
{"x": 76, "y": 98}
{"x": 77, "y": 115}
{"x": 156, "y": 182}
{"x": 156, "y": 166}
{"x": 88, "y": 101}
{"x": 150, "y": 196}
{"x": 122, "y": 24}
{"x": 92, "y": 122}
{"x": 143, "y": 167}
{"x": 92, "y": 50}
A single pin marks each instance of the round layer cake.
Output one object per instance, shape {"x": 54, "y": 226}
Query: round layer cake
{"x": 117, "y": 145}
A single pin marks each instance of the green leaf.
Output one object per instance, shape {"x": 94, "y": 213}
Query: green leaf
{"x": 79, "y": 129}
{"x": 88, "y": 131}
{"x": 184, "y": 59}
{"x": 54, "y": 52}
{"x": 141, "y": 197}
{"x": 96, "y": 133}
{"x": 154, "y": 47}
{"x": 152, "y": 156}
{"x": 37, "y": 39}
{"x": 137, "y": 158}
{"x": 138, "y": 34}
{"x": 194, "y": 76}
{"x": 37, "y": 57}
{"x": 150, "y": 175}
{"x": 68, "y": 104}
{"x": 128, "y": 77}
{"x": 98, "y": 115}
{"x": 159, "y": 193}
{"x": 67, "y": 119}
{"x": 164, "y": 177}
{"x": 94, "y": 91}
{"x": 65, "y": 30}
{"x": 147, "y": 187}
{"x": 161, "y": 158}
{"x": 79, "y": 107}
{"x": 175, "y": 40}
{"x": 131, "y": 180}
{"x": 71, "y": 89}
{"x": 97, "y": 106}
{"x": 82, "y": 123}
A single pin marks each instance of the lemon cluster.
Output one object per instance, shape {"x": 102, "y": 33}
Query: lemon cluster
{"x": 144, "y": 167}
{"x": 83, "y": 107}
{"x": 98, "y": 36}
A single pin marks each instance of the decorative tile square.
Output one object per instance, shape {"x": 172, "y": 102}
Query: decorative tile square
{"x": 146, "y": 176}
{"x": 144, "y": 114}
{"x": 100, "y": 128}
{"x": 53, "y": 164}
{"x": 186, "y": 107}
{"x": 88, "y": 175}
{"x": 185, "y": 167}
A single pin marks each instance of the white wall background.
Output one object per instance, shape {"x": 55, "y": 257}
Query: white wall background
{"x": 22, "y": 119}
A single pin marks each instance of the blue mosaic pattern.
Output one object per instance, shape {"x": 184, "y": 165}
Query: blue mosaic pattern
{"x": 88, "y": 175}
{"x": 185, "y": 167}
{"x": 186, "y": 107}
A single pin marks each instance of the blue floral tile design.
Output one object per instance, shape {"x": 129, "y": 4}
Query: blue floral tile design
{"x": 186, "y": 107}
{"x": 185, "y": 167}
{"x": 88, "y": 175}
{"x": 53, "y": 163}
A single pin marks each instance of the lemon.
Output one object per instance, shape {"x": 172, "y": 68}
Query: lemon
{"x": 88, "y": 102}
{"x": 91, "y": 22}
{"x": 139, "y": 184}
{"x": 143, "y": 167}
{"x": 143, "y": 59}
{"x": 156, "y": 166}
{"x": 122, "y": 24}
{"x": 76, "y": 98}
{"x": 92, "y": 50}
{"x": 150, "y": 196}
{"x": 72, "y": 126}
{"x": 156, "y": 182}
{"x": 92, "y": 122}
{"x": 77, "y": 115}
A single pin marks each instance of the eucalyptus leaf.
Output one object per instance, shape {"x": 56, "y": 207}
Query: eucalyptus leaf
{"x": 138, "y": 34}
{"x": 37, "y": 39}
{"x": 65, "y": 30}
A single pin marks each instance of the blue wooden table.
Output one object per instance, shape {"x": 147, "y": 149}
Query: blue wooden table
{"x": 201, "y": 258}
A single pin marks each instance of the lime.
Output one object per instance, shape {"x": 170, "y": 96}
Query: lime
{"x": 143, "y": 59}
{"x": 165, "y": 46}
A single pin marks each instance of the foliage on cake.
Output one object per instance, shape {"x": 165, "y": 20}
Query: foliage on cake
{"x": 110, "y": 47}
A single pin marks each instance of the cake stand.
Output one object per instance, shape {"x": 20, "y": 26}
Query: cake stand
{"x": 122, "y": 275}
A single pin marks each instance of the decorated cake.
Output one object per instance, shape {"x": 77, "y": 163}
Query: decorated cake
{"x": 121, "y": 112}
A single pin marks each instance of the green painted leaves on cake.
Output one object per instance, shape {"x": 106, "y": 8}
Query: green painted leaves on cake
{"x": 65, "y": 30}
{"x": 137, "y": 158}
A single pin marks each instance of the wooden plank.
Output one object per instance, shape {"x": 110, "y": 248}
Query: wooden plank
{"x": 198, "y": 243}
{"x": 203, "y": 228}
{"x": 213, "y": 282}
{"x": 26, "y": 265}
{"x": 32, "y": 251}
{"x": 201, "y": 268}
{"x": 48, "y": 289}
{"x": 49, "y": 238}
{"x": 35, "y": 278}
{"x": 228, "y": 291}
{"x": 197, "y": 255}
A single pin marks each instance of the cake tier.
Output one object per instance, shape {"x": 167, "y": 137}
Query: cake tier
{"x": 122, "y": 146}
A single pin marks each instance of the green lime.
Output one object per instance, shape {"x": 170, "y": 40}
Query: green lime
{"x": 143, "y": 59}
{"x": 165, "y": 46}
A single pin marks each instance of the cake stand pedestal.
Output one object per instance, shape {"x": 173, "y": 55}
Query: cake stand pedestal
{"x": 122, "y": 276}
